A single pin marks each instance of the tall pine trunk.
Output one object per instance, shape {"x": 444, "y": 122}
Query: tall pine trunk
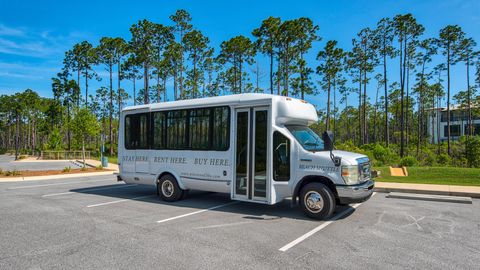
{"x": 448, "y": 99}
{"x": 469, "y": 100}
{"x": 146, "y": 89}
{"x": 327, "y": 123}
{"x": 360, "y": 137}
{"x": 86, "y": 87}
{"x": 385, "y": 85}
{"x": 78, "y": 84}
{"x": 365, "y": 133}
{"x": 110, "y": 110}
{"x": 118, "y": 90}
{"x": 134, "y": 91}
{"x": 271, "y": 71}
{"x": 402, "y": 98}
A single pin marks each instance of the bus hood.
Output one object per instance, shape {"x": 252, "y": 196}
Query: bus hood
{"x": 349, "y": 158}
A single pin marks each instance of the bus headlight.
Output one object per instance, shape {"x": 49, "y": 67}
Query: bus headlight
{"x": 350, "y": 174}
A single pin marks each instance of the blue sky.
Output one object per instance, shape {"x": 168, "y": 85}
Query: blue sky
{"x": 35, "y": 34}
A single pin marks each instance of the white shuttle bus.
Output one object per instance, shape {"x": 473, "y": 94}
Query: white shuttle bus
{"x": 256, "y": 147}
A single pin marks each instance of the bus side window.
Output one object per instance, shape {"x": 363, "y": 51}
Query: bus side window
{"x": 158, "y": 130}
{"x": 176, "y": 129}
{"x": 129, "y": 132}
{"x": 136, "y": 131}
{"x": 221, "y": 130}
{"x": 281, "y": 157}
{"x": 199, "y": 128}
{"x": 143, "y": 131}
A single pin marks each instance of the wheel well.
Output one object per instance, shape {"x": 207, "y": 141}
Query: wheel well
{"x": 158, "y": 179}
{"x": 163, "y": 174}
{"x": 310, "y": 179}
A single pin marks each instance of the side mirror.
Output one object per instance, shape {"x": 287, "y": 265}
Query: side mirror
{"x": 327, "y": 138}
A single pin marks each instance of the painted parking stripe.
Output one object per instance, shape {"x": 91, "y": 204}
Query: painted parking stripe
{"x": 58, "y": 184}
{"x": 88, "y": 189}
{"x": 119, "y": 201}
{"x": 196, "y": 212}
{"x": 320, "y": 227}
{"x": 224, "y": 225}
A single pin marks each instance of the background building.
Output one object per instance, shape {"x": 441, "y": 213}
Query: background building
{"x": 438, "y": 128}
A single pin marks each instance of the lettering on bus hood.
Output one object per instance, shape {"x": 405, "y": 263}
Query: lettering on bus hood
{"x": 321, "y": 168}
{"x": 180, "y": 160}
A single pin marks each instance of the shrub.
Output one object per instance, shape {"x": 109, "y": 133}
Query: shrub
{"x": 12, "y": 173}
{"x": 83, "y": 169}
{"x": 408, "y": 161}
{"x": 22, "y": 157}
{"x": 1, "y": 171}
{"x": 444, "y": 159}
{"x": 67, "y": 169}
{"x": 99, "y": 167}
{"x": 426, "y": 157}
{"x": 472, "y": 151}
{"x": 383, "y": 155}
{"x": 349, "y": 146}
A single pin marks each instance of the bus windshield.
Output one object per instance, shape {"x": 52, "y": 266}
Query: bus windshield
{"x": 309, "y": 140}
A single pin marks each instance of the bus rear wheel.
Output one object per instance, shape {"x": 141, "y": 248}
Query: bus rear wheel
{"x": 168, "y": 189}
{"x": 317, "y": 201}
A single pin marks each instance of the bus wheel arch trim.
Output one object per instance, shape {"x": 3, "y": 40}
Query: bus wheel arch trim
{"x": 312, "y": 179}
{"x": 174, "y": 175}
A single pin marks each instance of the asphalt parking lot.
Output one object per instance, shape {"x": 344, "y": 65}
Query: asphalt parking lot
{"x": 96, "y": 222}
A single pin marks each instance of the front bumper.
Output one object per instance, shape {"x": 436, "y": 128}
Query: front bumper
{"x": 355, "y": 193}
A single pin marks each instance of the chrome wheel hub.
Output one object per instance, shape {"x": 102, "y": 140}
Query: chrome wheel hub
{"x": 313, "y": 201}
{"x": 167, "y": 188}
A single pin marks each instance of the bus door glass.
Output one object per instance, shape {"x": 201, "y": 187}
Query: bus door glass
{"x": 251, "y": 144}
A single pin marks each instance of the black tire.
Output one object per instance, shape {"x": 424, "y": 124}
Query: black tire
{"x": 317, "y": 201}
{"x": 168, "y": 189}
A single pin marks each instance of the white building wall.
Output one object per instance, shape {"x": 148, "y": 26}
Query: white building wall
{"x": 437, "y": 133}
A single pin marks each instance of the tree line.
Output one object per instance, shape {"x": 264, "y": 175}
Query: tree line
{"x": 410, "y": 73}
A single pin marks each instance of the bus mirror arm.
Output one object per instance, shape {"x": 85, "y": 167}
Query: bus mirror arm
{"x": 327, "y": 138}
{"x": 337, "y": 161}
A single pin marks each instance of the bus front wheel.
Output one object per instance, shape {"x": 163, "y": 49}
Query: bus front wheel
{"x": 317, "y": 201}
{"x": 168, "y": 189}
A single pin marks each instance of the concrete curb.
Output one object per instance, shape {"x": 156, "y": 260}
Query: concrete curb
{"x": 428, "y": 197}
{"x": 429, "y": 192}
{"x": 87, "y": 164}
{"x": 55, "y": 176}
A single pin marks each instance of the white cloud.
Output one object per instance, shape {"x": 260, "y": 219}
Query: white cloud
{"x": 37, "y": 43}
{"x": 9, "y": 31}
{"x": 27, "y": 71}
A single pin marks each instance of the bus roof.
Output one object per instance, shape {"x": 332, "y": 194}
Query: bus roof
{"x": 297, "y": 109}
{"x": 228, "y": 99}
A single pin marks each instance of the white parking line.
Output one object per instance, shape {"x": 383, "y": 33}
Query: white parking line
{"x": 224, "y": 225}
{"x": 119, "y": 201}
{"x": 58, "y": 184}
{"x": 196, "y": 212}
{"x": 320, "y": 227}
{"x": 88, "y": 189}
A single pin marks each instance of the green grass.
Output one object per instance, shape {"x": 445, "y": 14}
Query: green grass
{"x": 113, "y": 159}
{"x": 434, "y": 175}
